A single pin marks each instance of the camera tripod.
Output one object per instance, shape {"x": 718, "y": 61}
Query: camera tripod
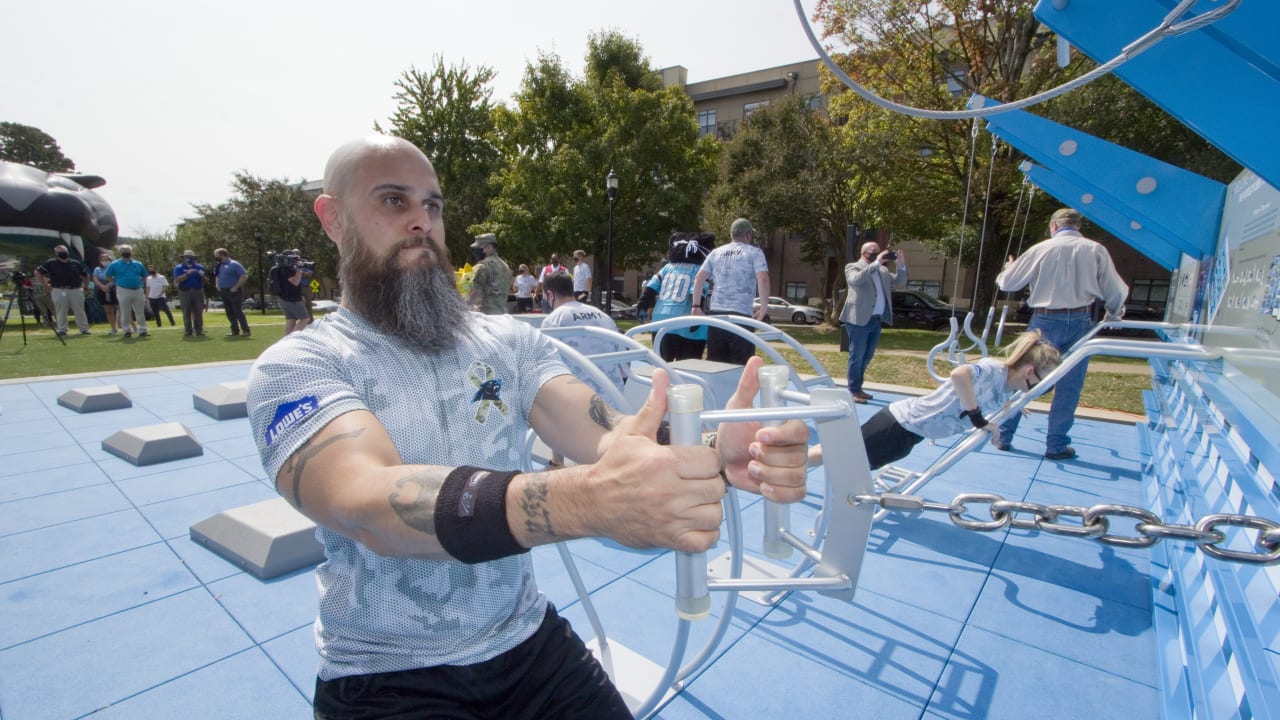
{"x": 20, "y": 297}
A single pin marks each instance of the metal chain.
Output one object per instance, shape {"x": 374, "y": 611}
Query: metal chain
{"x": 1094, "y": 523}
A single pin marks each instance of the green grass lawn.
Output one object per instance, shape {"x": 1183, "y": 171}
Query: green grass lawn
{"x": 43, "y": 355}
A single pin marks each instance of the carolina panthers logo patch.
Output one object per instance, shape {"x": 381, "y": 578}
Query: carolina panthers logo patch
{"x": 488, "y": 391}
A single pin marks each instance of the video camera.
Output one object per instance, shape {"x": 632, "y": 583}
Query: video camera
{"x": 290, "y": 259}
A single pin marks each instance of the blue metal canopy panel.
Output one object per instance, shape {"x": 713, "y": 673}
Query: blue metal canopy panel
{"x": 1180, "y": 206}
{"x": 1223, "y": 81}
{"x": 1113, "y": 220}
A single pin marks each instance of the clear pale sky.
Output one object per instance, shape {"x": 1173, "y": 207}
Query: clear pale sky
{"x": 167, "y": 99}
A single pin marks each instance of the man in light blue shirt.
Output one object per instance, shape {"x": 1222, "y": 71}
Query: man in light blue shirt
{"x": 129, "y": 276}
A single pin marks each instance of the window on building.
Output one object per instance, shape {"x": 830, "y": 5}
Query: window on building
{"x": 750, "y": 108}
{"x": 813, "y": 102}
{"x": 932, "y": 288}
{"x": 706, "y": 122}
{"x": 797, "y": 293}
{"x": 956, "y": 75}
{"x": 1150, "y": 292}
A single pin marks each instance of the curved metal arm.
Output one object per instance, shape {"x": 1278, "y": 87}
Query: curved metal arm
{"x": 979, "y": 343}
{"x": 947, "y": 345}
{"x": 1004, "y": 314}
{"x": 760, "y": 338}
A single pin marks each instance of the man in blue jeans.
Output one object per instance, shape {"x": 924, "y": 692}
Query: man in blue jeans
{"x": 1067, "y": 274}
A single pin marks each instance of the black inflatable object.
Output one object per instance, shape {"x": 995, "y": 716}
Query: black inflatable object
{"x": 56, "y": 203}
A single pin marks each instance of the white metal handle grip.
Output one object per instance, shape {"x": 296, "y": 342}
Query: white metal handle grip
{"x": 777, "y": 517}
{"x": 684, "y": 408}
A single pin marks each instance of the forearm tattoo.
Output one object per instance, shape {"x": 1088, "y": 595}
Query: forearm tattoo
{"x": 601, "y": 414}
{"x": 298, "y": 461}
{"x": 414, "y": 500}
{"x": 537, "y": 518}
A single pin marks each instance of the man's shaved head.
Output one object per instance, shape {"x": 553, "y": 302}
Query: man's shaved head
{"x": 344, "y": 161}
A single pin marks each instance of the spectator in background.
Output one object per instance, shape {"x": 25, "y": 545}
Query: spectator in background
{"x": 671, "y": 292}
{"x": 738, "y": 273}
{"x": 189, "y": 277}
{"x": 1067, "y": 274}
{"x": 568, "y": 311}
{"x": 157, "y": 285}
{"x": 67, "y": 281}
{"x": 104, "y": 291}
{"x": 43, "y": 303}
{"x": 129, "y": 276}
{"x": 552, "y": 267}
{"x": 582, "y": 276}
{"x": 286, "y": 282}
{"x": 524, "y": 285}
{"x": 869, "y": 306}
{"x": 231, "y": 277}
{"x": 492, "y": 279}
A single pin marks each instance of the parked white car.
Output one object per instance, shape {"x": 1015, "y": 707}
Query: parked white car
{"x": 324, "y": 306}
{"x": 783, "y": 310}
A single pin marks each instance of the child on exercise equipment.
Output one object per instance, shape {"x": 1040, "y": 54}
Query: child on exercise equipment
{"x": 972, "y": 392}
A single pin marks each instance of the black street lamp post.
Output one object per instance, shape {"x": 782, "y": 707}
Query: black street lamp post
{"x": 611, "y": 189}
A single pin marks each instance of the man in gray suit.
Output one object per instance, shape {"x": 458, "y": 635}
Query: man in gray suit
{"x": 868, "y": 306}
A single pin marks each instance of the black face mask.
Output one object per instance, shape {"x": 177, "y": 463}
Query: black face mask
{"x": 126, "y": 256}
{"x": 477, "y": 253}
{"x": 63, "y": 255}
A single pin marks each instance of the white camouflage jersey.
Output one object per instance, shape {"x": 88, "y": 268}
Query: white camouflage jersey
{"x": 733, "y": 269}
{"x": 467, "y": 406}
{"x": 937, "y": 415}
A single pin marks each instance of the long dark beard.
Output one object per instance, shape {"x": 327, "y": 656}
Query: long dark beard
{"x": 419, "y": 304}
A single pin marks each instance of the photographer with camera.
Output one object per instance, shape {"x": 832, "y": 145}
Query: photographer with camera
{"x": 67, "y": 281}
{"x": 868, "y": 307}
{"x": 285, "y": 279}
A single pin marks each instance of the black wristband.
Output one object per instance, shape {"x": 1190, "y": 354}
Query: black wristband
{"x": 975, "y": 417}
{"x": 471, "y": 515}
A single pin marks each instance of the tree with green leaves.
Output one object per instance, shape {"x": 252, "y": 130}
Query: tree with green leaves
{"x": 448, "y": 114}
{"x": 262, "y": 216}
{"x": 935, "y": 55}
{"x": 788, "y": 171}
{"x": 565, "y": 134}
{"x": 32, "y": 146}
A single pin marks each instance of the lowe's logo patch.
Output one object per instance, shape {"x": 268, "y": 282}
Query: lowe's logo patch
{"x": 290, "y": 414}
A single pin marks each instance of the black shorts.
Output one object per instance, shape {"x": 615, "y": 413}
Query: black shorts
{"x": 550, "y": 675}
{"x": 106, "y": 298}
{"x": 886, "y": 440}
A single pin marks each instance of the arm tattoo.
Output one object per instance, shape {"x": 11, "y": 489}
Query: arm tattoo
{"x": 601, "y": 414}
{"x": 415, "y": 500}
{"x": 298, "y": 461}
{"x": 537, "y": 520}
